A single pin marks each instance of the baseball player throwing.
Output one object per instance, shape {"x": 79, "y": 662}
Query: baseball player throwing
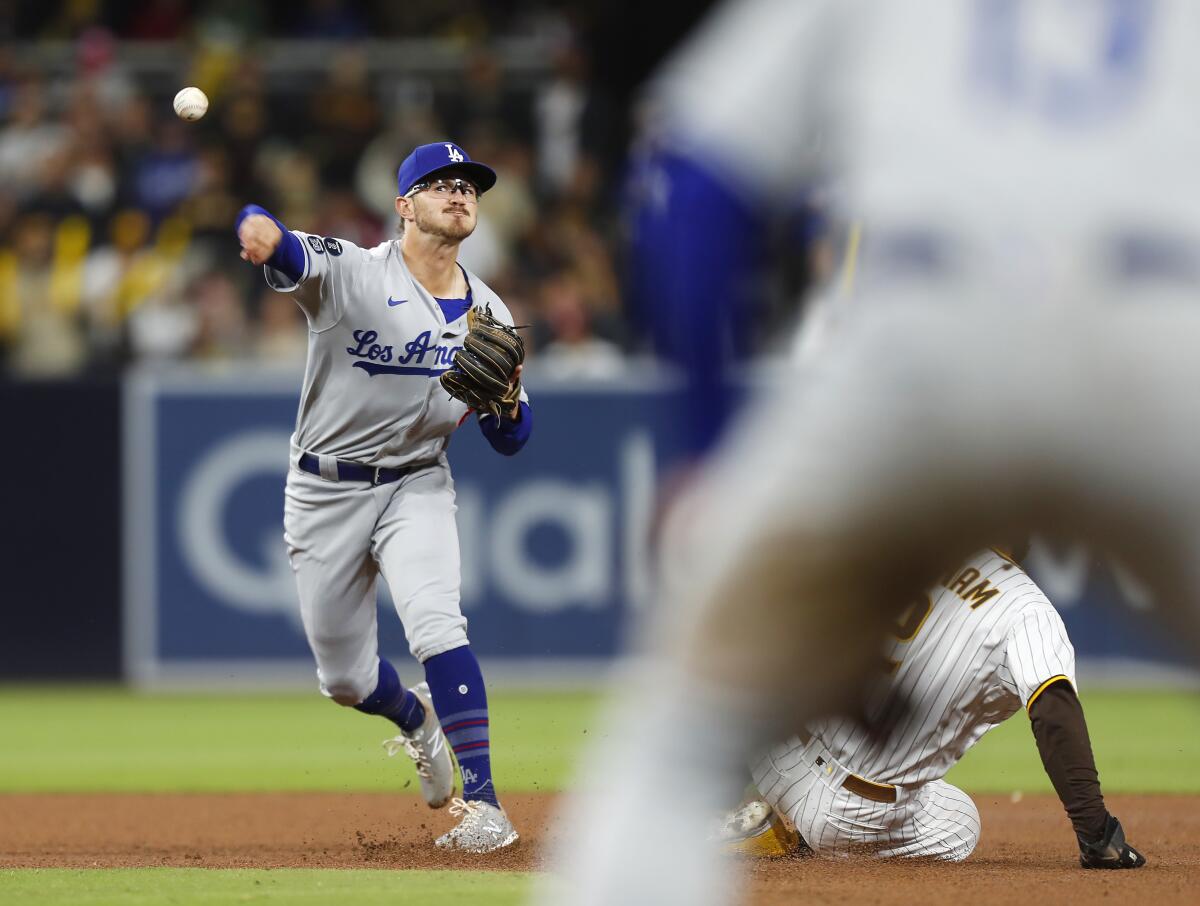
{"x": 369, "y": 490}
{"x": 965, "y": 657}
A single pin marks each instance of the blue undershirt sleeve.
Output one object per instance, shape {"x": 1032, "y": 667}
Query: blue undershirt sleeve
{"x": 289, "y": 254}
{"x": 508, "y": 436}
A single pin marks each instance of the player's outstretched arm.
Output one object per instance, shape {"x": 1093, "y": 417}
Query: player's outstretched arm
{"x": 1062, "y": 740}
{"x": 265, "y": 240}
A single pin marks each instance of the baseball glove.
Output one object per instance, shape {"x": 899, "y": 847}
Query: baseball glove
{"x": 1111, "y": 850}
{"x": 482, "y": 372}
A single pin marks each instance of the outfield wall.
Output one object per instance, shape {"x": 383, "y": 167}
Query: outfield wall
{"x": 555, "y": 563}
{"x": 60, "y": 533}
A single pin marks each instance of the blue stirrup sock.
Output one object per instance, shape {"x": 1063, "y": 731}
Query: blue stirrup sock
{"x": 393, "y": 701}
{"x": 459, "y": 697}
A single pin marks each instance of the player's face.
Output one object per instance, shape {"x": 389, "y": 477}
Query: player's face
{"x": 446, "y": 207}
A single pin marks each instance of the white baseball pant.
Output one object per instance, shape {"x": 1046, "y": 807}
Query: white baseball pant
{"x": 935, "y": 820}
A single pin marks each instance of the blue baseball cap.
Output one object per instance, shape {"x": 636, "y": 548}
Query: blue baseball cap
{"x": 429, "y": 159}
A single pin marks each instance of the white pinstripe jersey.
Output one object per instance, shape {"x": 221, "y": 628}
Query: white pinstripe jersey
{"x": 972, "y": 653}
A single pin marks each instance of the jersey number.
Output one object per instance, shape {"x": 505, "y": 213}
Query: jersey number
{"x": 1017, "y": 62}
{"x": 908, "y": 625}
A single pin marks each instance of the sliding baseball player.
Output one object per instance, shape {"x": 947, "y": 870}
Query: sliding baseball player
{"x": 981, "y": 645}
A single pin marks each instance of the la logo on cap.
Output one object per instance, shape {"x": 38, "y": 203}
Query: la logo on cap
{"x": 455, "y": 154}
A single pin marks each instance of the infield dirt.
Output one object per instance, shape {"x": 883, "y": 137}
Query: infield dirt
{"x": 1027, "y": 853}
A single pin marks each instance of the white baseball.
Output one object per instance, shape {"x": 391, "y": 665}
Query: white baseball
{"x": 190, "y": 104}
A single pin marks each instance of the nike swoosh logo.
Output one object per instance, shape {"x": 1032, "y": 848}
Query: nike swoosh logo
{"x": 394, "y": 302}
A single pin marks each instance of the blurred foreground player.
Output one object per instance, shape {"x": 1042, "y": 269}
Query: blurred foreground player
{"x": 981, "y": 645}
{"x": 1019, "y": 353}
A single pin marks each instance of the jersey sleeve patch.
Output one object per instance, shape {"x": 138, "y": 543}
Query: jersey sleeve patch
{"x": 332, "y": 246}
{"x": 314, "y": 242}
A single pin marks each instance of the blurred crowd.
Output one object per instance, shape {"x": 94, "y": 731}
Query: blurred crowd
{"x": 116, "y": 240}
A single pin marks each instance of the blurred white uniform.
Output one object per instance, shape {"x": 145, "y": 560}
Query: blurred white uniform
{"x": 996, "y": 150}
{"x": 1019, "y": 352}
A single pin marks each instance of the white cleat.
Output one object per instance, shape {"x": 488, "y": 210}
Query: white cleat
{"x": 484, "y": 828}
{"x": 428, "y": 749}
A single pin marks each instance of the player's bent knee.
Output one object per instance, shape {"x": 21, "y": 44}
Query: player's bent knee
{"x": 345, "y": 690}
{"x": 346, "y": 698}
{"x": 959, "y": 847}
{"x": 960, "y": 816}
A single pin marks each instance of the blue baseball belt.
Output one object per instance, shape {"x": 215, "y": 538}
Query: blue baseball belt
{"x": 353, "y": 471}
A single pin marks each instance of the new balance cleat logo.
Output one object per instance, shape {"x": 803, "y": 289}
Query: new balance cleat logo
{"x": 427, "y": 748}
{"x": 483, "y": 828}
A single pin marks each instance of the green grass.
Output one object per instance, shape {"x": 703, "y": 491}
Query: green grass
{"x": 199, "y": 887}
{"x": 1144, "y": 742}
{"x": 109, "y": 739}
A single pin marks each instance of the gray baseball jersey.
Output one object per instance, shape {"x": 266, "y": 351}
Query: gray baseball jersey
{"x": 377, "y": 339}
